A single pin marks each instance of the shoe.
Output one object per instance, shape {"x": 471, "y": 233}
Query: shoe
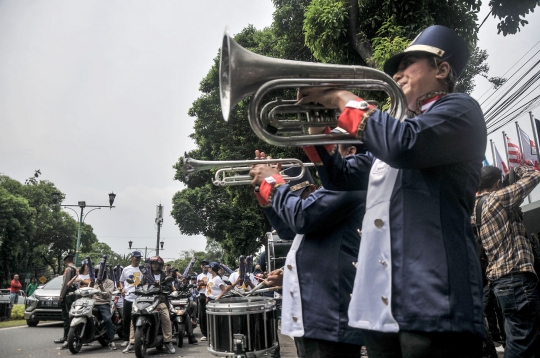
{"x": 192, "y": 340}
{"x": 204, "y": 338}
{"x": 124, "y": 344}
{"x": 170, "y": 348}
{"x": 112, "y": 346}
{"x": 363, "y": 351}
{"x": 129, "y": 349}
{"x": 60, "y": 340}
{"x": 65, "y": 345}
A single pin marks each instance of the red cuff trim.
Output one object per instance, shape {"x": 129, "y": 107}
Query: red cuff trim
{"x": 351, "y": 118}
{"x": 266, "y": 190}
{"x": 262, "y": 201}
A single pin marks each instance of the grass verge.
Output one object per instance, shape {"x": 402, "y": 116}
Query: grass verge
{"x": 13, "y": 323}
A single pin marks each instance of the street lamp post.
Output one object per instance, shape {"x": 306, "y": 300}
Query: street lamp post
{"x": 130, "y": 243}
{"x": 82, "y": 205}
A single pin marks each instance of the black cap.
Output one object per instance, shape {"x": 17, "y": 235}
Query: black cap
{"x": 214, "y": 266}
{"x": 204, "y": 262}
{"x": 437, "y": 40}
{"x": 68, "y": 258}
{"x": 298, "y": 186}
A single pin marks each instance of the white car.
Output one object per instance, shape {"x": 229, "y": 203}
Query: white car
{"x": 43, "y": 304}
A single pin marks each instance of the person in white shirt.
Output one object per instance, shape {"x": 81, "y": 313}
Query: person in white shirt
{"x": 202, "y": 280}
{"x": 239, "y": 283}
{"x": 215, "y": 285}
{"x": 133, "y": 273}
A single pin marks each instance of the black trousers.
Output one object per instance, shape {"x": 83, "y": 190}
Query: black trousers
{"x": 409, "y": 344}
{"x": 493, "y": 314}
{"x": 318, "y": 348}
{"x": 126, "y": 316}
{"x": 202, "y": 314}
{"x": 66, "y": 306}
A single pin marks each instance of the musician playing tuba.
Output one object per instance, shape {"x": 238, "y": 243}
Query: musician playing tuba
{"x": 418, "y": 287}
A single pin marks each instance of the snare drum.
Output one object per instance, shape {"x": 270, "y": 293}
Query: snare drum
{"x": 242, "y": 326}
{"x": 277, "y": 251}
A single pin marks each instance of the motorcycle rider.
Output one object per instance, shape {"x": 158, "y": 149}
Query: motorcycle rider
{"x": 156, "y": 276}
{"x": 103, "y": 304}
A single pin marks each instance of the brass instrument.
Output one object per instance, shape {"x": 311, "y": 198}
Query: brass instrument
{"x": 243, "y": 73}
{"x": 228, "y": 171}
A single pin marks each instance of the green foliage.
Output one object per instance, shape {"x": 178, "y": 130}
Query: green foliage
{"x": 391, "y": 39}
{"x": 512, "y": 14}
{"x": 325, "y": 28}
{"x": 17, "y": 312}
{"x": 477, "y": 66}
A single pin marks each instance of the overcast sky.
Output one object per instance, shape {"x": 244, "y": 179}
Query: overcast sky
{"x": 95, "y": 94}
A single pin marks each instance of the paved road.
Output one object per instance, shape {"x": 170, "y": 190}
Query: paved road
{"x": 37, "y": 342}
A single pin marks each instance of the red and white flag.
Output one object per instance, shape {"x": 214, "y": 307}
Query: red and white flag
{"x": 514, "y": 154}
{"x": 529, "y": 150}
{"x": 499, "y": 162}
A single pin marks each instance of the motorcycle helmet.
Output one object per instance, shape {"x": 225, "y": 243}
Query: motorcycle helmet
{"x": 159, "y": 260}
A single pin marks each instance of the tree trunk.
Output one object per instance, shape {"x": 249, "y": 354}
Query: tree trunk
{"x": 359, "y": 43}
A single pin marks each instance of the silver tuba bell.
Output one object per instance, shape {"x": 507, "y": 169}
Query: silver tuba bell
{"x": 243, "y": 73}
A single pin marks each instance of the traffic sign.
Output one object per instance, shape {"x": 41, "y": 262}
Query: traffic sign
{"x": 43, "y": 279}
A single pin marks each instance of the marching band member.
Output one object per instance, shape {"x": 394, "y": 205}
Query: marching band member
{"x": 324, "y": 225}
{"x": 239, "y": 283}
{"x": 418, "y": 288}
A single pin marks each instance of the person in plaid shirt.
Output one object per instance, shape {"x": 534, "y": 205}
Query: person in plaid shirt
{"x": 510, "y": 257}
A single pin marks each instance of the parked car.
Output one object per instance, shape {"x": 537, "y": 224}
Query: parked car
{"x": 43, "y": 305}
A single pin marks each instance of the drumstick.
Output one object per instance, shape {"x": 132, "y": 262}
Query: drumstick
{"x": 258, "y": 287}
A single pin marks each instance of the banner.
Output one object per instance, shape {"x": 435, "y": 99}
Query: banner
{"x": 499, "y": 162}
{"x": 529, "y": 150}
{"x": 514, "y": 154}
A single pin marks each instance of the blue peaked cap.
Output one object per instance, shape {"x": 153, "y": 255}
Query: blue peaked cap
{"x": 437, "y": 40}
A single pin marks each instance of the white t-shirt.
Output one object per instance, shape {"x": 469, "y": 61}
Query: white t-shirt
{"x": 214, "y": 287}
{"x": 82, "y": 278}
{"x": 244, "y": 287}
{"x": 133, "y": 273}
{"x": 205, "y": 277}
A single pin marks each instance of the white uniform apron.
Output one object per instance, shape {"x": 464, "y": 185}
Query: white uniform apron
{"x": 292, "y": 323}
{"x": 371, "y": 300}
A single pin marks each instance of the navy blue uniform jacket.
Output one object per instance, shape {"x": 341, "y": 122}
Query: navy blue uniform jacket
{"x": 330, "y": 221}
{"x": 437, "y": 282}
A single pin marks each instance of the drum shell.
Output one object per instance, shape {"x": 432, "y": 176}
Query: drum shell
{"x": 254, "y": 317}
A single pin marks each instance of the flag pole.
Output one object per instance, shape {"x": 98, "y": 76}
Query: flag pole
{"x": 535, "y": 136}
{"x": 492, "y": 152}
{"x": 521, "y": 153}
{"x": 506, "y": 149}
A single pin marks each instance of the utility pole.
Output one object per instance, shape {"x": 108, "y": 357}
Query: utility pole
{"x": 159, "y": 222}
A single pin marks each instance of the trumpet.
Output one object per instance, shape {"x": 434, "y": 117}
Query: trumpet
{"x": 244, "y": 73}
{"x": 228, "y": 171}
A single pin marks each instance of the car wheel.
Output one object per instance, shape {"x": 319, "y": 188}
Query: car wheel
{"x": 31, "y": 322}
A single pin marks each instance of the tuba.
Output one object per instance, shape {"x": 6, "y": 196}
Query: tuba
{"x": 243, "y": 73}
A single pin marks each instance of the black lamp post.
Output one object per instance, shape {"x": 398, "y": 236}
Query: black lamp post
{"x": 82, "y": 205}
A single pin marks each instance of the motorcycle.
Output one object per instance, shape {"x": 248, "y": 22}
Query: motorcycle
{"x": 147, "y": 321}
{"x": 86, "y": 324}
{"x": 179, "y": 309}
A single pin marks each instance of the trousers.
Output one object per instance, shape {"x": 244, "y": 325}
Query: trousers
{"x": 105, "y": 311}
{"x": 202, "y": 314}
{"x": 317, "y": 348}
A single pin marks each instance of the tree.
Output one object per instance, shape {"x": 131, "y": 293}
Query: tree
{"x": 360, "y": 32}
{"x": 15, "y": 227}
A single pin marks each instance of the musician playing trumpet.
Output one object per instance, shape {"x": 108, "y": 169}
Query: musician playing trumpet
{"x": 318, "y": 275}
{"x": 418, "y": 287}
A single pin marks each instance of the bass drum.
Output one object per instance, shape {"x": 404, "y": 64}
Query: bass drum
{"x": 277, "y": 251}
{"x": 242, "y": 326}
